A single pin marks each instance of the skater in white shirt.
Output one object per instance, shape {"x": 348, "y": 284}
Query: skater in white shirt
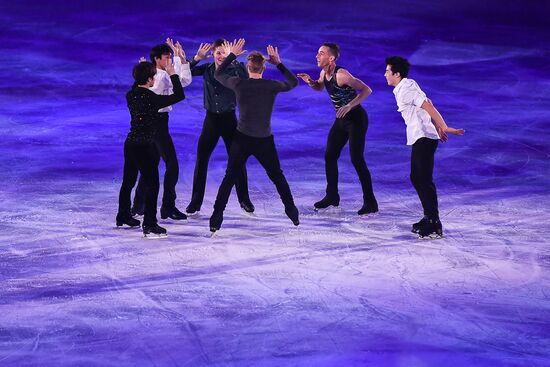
{"x": 425, "y": 127}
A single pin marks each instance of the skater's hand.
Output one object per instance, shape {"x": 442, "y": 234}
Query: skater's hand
{"x": 202, "y": 52}
{"x": 237, "y": 47}
{"x": 342, "y": 111}
{"x": 170, "y": 68}
{"x": 170, "y": 42}
{"x": 181, "y": 52}
{"x": 273, "y": 55}
{"x": 442, "y": 134}
{"x": 305, "y": 77}
{"x": 453, "y": 131}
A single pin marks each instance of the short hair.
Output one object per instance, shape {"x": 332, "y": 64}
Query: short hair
{"x": 256, "y": 62}
{"x": 333, "y": 48}
{"x": 158, "y": 51}
{"x": 143, "y": 71}
{"x": 217, "y": 43}
{"x": 399, "y": 65}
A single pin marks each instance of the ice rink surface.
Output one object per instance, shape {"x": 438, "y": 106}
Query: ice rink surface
{"x": 339, "y": 290}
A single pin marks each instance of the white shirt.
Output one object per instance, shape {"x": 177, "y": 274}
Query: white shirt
{"x": 409, "y": 98}
{"x": 163, "y": 84}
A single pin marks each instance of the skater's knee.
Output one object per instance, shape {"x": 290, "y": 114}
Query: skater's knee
{"x": 358, "y": 161}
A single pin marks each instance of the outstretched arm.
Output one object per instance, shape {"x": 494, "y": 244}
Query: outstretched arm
{"x": 439, "y": 123}
{"x": 291, "y": 80}
{"x": 317, "y": 85}
{"x": 343, "y": 77}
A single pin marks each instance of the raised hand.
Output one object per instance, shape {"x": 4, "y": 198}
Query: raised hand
{"x": 170, "y": 68}
{"x": 305, "y": 77}
{"x": 226, "y": 48}
{"x": 202, "y": 52}
{"x": 170, "y": 42}
{"x": 180, "y": 52}
{"x": 273, "y": 55}
{"x": 237, "y": 47}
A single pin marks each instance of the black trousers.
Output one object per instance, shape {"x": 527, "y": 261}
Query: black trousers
{"x": 422, "y": 167}
{"x": 145, "y": 159}
{"x": 167, "y": 151}
{"x": 352, "y": 128}
{"x": 215, "y": 126}
{"x": 264, "y": 150}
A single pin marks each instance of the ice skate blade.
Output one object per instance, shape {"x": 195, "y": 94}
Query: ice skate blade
{"x": 327, "y": 209}
{"x": 154, "y": 236}
{"x": 433, "y": 236}
{"x": 369, "y": 215}
{"x": 195, "y": 214}
{"x": 125, "y": 227}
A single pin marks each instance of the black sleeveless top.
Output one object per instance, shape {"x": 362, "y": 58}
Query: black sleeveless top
{"x": 340, "y": 96}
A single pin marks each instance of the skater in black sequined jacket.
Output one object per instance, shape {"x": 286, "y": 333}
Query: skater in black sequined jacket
{"x": 140, "y": 152}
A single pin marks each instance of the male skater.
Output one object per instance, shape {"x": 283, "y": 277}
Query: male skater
{"x": 350, "y": 125}
{"x": 255, "y": 98}
{"x": 161, "y": 55}
{"x": 140, "y": 151}
{"x": 425, "y": 126}
{"x": 220, "y": 120}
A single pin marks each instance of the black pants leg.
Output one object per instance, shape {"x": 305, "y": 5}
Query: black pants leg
{"x": 228, "y": 130}
{"x": 145, "y": 159}
{"x": 422, "y": 166}
{"x": 167, "y": 151}
{"x": 337, "y": 138}
{"x": 238, "y": 154}
{"x": 356, "y": 125}
{"x": 208, "y": 139}
{"x": 266, "y": 153}
{"x": 216, "y": 125}
{"x": 128, "y": 181}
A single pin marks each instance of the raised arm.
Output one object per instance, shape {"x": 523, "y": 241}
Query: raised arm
{"x": 232, "y": 50}
{"x": 439, "y": 123}
{"x": 181, "y": 64}
{"x": 344, "y": 77}
{"x": 161, "y": 101}
{"x": 202, "y": 53}
{"x": 317, "y": 85}
{"x": 291, "y": 80}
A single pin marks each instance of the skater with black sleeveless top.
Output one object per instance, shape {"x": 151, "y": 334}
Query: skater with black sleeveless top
{"x": 350, "y": 125}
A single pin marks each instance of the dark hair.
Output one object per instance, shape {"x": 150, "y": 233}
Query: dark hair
{"x": 158, "y": 51}
{"x": 333, "y": 48}
{"x": 142, "y": 72}
{"x": 256, "y": 61}
{"x": 399, "y": 65}
{"x": 217, "y": 43}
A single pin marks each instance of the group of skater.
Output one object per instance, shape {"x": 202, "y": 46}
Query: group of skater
{"x": 229, "y": 84}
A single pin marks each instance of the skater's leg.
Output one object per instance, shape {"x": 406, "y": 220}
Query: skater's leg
{"x": 266, "y": 154}
{"x": 241, "y": 185}
{"x": 357, "y": 130}
{"x": 337, "y": 138}
{"x": 128, "y": 182}
{"x": 422, "y": 165}
{"x": 208, "y": 139}
{"x": 148, "y": 161}
{"x": 238, "y": 154}
{"x": 167, "y": 151}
